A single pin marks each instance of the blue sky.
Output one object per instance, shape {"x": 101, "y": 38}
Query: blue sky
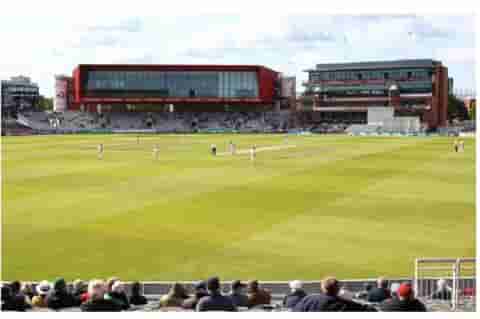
{"x": 40, "y": 47}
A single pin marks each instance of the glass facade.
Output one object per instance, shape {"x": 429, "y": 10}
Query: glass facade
{"x": 396, "y": 74}
{"x": 178, "y": 84}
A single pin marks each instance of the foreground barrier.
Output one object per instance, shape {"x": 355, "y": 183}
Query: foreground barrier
{"x": 460, "y": 276}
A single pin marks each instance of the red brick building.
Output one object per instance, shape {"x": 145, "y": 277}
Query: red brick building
{"x": 343, "y": 92}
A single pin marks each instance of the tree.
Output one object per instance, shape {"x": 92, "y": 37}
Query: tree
{"x": 471, "y": 114}
{"x": 45, "y": 103}
{"x": 456, "y": 109}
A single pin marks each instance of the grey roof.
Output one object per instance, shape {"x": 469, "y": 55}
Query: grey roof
{"x": 416, "y": 63}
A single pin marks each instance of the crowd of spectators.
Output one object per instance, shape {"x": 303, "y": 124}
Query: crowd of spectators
{"x": 111, "y": 295}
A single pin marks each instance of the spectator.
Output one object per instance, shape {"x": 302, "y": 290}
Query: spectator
{"x": 215, "y": 301}
{"x": 110, "y": 282}
{"x": 175, "y": 296}
{"x": 43, "y": 289}
{"x": 328, "y": 300}
{"x": 239, "y": 298}
{"x": 59, "y": 297}
{"x": 137, "y": 298}
{"x": 14, "y": 299}
{"x": 256, "y": 295}
{"x": 27, "y": 291}
{"x": 364, "y": 293}
{"x": 380, "y": 293}
{"x": 443, "y": 292}
{"x": 200, "y": 291}
{"x": 79, "y": 288}
{"x": 394, "y": 289}
{"x": 8, "y": 300}
{"x": 16, "y": 287}
{"x": 119, "y": 296}
{"x": 296, "y": 294}
{"x": 96, "y": 301}
{"x": 405, "y": 301}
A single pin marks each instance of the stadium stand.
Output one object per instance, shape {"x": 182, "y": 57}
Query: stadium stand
{"x": 114, "y": 295}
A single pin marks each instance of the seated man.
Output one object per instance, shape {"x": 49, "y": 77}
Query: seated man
{"x": 200, "y": 291}
{"x": 443, "y": 292}
{"x": 379, "y": 293}
{"x": 136, "y": 297}
{"x": 404, "y": 302}
{"x": 96, "y": 298}
{"x": 59, "y": 297}
{"x": 328, "y": 300}
{"x": 215, "y": 301}
{"x": 256, "y": 295}
{"x": 296, "y": 294}
{"x": 11, "y": 301}
{"x": 175, "y": 296}
{"x": 238, "y": 297}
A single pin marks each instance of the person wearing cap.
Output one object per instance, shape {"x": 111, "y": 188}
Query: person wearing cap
{"x": 43, "y": 289}
{"x": 200, "y": 291}
{"x": 404, "y": 302}
{"x": 379, "y": 293}
{"x": 175, "y": 296}
{"x": 296, "y": 294}
{"x": 59, "y": 297}
{"x": 256, "y": 295}
{"x": 328, "y": 300}
{"x": 239, "y": 298}
{"x": 215, "y": 301}
{"x": 136, "y": 298}
{"x": 96, "y": 301}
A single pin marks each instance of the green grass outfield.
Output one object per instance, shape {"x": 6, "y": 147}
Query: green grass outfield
{"x": 354, "y": 207}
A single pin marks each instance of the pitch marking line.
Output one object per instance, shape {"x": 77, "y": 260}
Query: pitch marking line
{"x": 259, "y": 149}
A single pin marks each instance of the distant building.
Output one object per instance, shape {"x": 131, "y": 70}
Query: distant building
{"x": 450, "y": 86}
{"x": 344, "y": 92}
{"x": 134, "y": 87}
{"x": 18, "y": 93}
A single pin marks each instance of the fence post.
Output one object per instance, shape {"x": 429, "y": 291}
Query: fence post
{"x": 455, "y": 285}
{"x": 416, "y": 278}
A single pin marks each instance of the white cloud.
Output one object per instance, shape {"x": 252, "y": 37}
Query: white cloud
{"x": 288, "y": 43}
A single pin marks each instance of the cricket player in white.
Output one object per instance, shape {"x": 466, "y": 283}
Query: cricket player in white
{"x": 232, "y": 148}
{"x": 253, "y": 152}
{"x": 100, "y": 151}
{"x": 156, "y": 150}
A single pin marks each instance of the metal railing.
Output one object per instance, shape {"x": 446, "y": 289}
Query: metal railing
{"x": 459, "y": 275}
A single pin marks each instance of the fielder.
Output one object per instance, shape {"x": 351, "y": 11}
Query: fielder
{"x": 100, "y": 151}
{"x": 232, "y": 148}
{"x": 253, "y": 153}
{"x": 461, "y": 146}
{"x": 455, "y": 145}
{"x": 213, "y": 149}
{"x": 156, "y": 151}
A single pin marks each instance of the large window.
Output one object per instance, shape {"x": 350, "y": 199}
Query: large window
{"x": 172, "y": 83}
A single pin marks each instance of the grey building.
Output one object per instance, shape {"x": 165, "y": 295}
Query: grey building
{"x": 17, "y": 94}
